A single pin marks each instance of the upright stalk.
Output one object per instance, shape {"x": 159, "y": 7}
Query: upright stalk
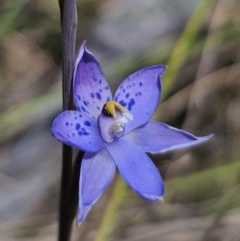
{"x": 69, "y": 28}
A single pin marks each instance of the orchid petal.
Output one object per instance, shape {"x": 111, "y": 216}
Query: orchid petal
{"x": 91, "y": 90}
{"x": 157, "y": 137}
{"x": 137, "y": 169}
{"x": 78, "y": 130}
{"x": 97, "y": 172}
{"x": 140, "y": 94}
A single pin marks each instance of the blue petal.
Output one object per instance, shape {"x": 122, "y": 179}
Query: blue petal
{"x": 78, "y": 130}
{"x": 157, "y": 137}
{"x": 140, "y": 93}
{"x": 91, "y": 90}
{"x": 137, "y": 169}
{"x": 97, "y": 172}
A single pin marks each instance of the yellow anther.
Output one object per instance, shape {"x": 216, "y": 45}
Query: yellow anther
{"x": 110, "y": 108}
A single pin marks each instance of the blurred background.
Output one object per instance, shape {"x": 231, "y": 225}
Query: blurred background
{"x": 199, "y": 40}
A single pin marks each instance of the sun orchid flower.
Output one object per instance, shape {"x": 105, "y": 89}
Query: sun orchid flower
{"x": 115, "y": 132}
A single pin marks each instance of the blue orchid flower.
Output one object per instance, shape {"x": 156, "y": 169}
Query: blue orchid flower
{"x": 116, "y": 132}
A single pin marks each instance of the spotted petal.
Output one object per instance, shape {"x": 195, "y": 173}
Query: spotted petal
{"x": 157, "y": 137}
{"x": 140, "y": 94}
{"x": 91, "y": 90}
{"x": 137, "y": 169}
{"x": 78, "y": 130}
{"x": 97, "y": 172}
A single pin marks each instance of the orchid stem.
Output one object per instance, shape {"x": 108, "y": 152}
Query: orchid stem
{"x": 69, "y": 28}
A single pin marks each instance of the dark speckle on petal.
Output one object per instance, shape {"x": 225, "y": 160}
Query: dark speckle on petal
{"x": 140, "y": 84}
{"x": 122, "y": 103}
{"x": 85, "y": 103}
{"x": 78, "y": 96}
{"x": 78, "y": 126}
{"x": 87, "y": 123}
{"x": 98, "y": 96}
{"x": 127, "y": 95}
{"x": 100, "y": 91}
{"x": 106, "y": 88}
{"x": 92, "y": 95}
{"x": 83, "y": 109}
{"x": 131, "y": 103}
{"x": 80, "y": 133}
{"x": 80, "y": 116}
{"x": 75, "y": 118}
{"x": 100, "y": 81}
{"x": 67, "y": 123}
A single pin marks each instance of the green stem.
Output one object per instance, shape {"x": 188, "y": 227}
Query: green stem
{"x": 111, "y": 214}
{"x": 184, "y": 44}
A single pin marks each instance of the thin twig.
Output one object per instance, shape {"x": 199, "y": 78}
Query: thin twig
{"x": 74, "y": 189}
{"x": 69, "y": 28}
